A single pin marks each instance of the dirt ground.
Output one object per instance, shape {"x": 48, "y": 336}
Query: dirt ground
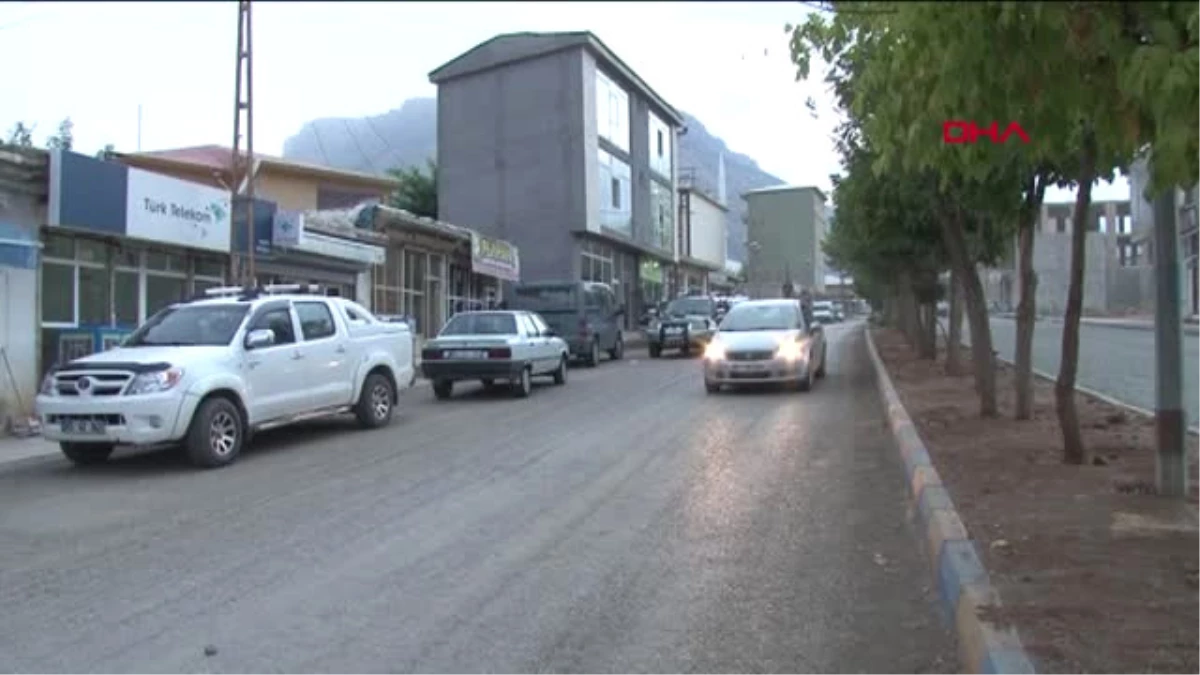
{"x": 1098, "y": 573}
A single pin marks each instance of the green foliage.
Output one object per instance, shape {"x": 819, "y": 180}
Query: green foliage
{"x": 417, "y": 193}
{"x": 21, "y": 135}
{"x": 65, "y": 138}
{"x": 106, "y": 152}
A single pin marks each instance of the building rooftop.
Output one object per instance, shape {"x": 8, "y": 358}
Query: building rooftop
{"x": 220, "y": 158}
{"x": 515, "y": 47}
{"x": 785, "y": 188}
{"x": 691, "y": 189}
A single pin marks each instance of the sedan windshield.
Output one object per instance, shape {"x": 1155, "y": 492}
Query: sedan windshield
{"x": 760, "y": 317}
{"x": 180, "y": 325}
{"x": 690, "y": 307}
{"x": 481, "y": 323}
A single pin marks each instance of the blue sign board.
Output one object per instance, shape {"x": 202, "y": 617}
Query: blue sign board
{"x": 264, "y": 225}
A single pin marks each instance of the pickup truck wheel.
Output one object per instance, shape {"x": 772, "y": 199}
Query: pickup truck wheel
{"x": 376, "y": 402}
{"x": 216, "y": 434}
{"x": 442, "y": 389}
{"x": 618, "y": 349}
{"x": 560, "y": 375}
{"x": 593, "y": 357}
{"x": 655, "y": 351}
{"x": 523, "y": 385}
{"x": 86, "y": 454}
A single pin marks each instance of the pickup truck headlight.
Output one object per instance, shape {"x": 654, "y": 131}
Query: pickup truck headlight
{"x": 151, "y": 383}
{"x": 791, "y": 350}
{"x": 47, "y": 385}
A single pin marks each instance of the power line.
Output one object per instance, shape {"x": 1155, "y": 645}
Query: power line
{"x": 350, "y": 132}
{"x": 320, "y": 143}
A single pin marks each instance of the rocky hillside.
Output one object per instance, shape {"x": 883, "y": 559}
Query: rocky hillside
{"x": 407, "y": 136}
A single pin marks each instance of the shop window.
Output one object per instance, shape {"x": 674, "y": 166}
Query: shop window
{"x": 209, "y": 268}
{"x": 94, "y": 287}
{"x": 164, "y": 262}
{"x": 126, "y": 293}
{"x": 58, "y": 293}
{"x": 130, "y": 259}
{"x": 59, "y": 247}
{"x": 92, "y": 251}
{"x": 316, "y": 322}
{"x": 163, "y": 291}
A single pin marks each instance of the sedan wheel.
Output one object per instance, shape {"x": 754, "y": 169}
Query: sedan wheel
{"x": 560, "y": 375}
{"x": 523, "y": 385}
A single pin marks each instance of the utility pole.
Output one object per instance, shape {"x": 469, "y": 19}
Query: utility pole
{"x": 1168, "y": 352}
{"x": 242, "y": 169}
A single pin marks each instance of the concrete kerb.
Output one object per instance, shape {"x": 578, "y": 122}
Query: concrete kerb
{"x": 964, "y": 587}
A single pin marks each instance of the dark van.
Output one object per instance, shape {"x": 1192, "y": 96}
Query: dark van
{"x": 584, "y": 313}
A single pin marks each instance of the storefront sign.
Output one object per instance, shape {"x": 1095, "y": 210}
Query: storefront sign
{"x": 288, "y": 228}
{"x": 264, "y": 218}
{"x": 343, "y": 249}
{"x": 172, "y": 211}
{"x": 495, "y": 258}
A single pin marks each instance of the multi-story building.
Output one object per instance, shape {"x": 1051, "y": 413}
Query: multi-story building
{"x": 1186, "y": 224}
{"x": 786, "y": 227}
{"x": 550, "y": 141}
{"x": 702, "y": 245}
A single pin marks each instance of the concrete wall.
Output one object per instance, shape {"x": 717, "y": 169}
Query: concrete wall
{"x": 512, "y": 161}
{"x": 708, "y": 230}
{"x": 20, "y": 217}
{"x": 1051, "y": 261}
{"x": 785, "y": 231}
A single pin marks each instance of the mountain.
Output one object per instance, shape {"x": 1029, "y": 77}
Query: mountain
{"x": 407, "y": 136}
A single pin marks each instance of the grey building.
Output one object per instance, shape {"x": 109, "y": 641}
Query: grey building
{"x": 551, "y": 142}
{"x": 786, "y": 227}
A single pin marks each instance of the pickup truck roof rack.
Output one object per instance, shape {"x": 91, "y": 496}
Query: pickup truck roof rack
{"x": 253, "y": 292}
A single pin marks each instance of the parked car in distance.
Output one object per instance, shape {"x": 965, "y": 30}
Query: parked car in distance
{"x": 823, "y": 317}
{"x": 512, "y": 346}
{"x": 686, "y": 323}
{"x": 207, "y": 373}
{"x": 586, "y": 314}
{"x": 765, "y": 341}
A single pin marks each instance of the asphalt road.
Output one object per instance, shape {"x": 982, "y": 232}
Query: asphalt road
{"x": 627, "y": 522}
{"x": 1118, "y": 362}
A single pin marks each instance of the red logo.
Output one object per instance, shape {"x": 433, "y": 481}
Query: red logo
{"x": 957, "y": 131}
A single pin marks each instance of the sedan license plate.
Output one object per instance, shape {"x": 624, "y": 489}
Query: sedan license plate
{"x": 83, "y": 426}
{"x": 747, "y": 368}
{"x": 465, "y": 354}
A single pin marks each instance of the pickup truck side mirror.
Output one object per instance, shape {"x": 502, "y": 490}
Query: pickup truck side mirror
{"x": 257, "y": 339}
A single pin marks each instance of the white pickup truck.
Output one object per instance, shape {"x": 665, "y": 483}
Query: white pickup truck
{"x": 207, "y": 373}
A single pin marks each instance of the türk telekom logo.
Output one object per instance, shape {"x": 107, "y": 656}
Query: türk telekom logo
{"x": 957, "y": 131}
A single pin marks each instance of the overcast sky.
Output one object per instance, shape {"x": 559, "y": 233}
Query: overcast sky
{"x": 726, "y": 63}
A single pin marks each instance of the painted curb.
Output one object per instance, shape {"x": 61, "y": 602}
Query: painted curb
{"x": 962, "y": 581}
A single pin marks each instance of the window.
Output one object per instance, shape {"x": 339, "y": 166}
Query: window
{"x": 616, "y": 204}
{"x": 316, "y": 322}
{"x": 353, "y": 315}
{"x": 527, "y": 325}
{"x": 538, "y": 324}
{"x": 481, "y": 323}
{"x": 660, "y": 146}
{"x": 279, "y": 322}
{"x": 612, "y": 112}
{"x": 662, "y": 214}
{"x": 212, "y": 325}
{"x": 58, "y": 293}
{"x": 163, "y": 291}
{"x": 94, "y": 291}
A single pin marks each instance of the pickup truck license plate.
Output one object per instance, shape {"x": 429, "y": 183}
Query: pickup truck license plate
{"x": 83, "y": 426}
{"x": 674, "y": 331}
{"x": 465, "y": 354}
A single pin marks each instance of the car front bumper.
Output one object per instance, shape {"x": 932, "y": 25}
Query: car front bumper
{"x": 755, "y": 372}
{"x": 127, "y": 420}
{"x": 471, "y": 370}
{"x": 691, "y": 338}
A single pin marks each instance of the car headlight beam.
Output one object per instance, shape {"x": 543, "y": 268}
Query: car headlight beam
{"x": 790, "y": 350}
{"x": 715, "y": 351}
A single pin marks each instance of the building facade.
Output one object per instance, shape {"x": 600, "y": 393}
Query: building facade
{"x": 1186, "y": 224}
{"x": 550, "y": 142}
{"x": 23, "y": 192}
{"x": 702, "y": 246}
{"x": 786, "y": 227}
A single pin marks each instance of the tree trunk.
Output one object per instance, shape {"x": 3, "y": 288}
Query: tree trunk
{"x": 954, "y": 330}
{"x": 929, "y": 331}
{"x": 1064, "y": 389}
{"x": 1027, "y": 305}
{"x": 909, "y": 321}
{"x": 955, "y": 239}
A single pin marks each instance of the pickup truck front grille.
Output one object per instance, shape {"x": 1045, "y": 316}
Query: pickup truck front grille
{"x": 91, "y": 382}
{"x": 755, "y": 355}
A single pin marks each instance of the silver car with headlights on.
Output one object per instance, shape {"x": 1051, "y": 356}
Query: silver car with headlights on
{"x": 765, "y": 342}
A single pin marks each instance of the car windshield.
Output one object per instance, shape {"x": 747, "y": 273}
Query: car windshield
{"x": 546, "y": 299}
{"x": 690, "y": 306}
{"x": 760, "y": 317}
{"x": 481, "y": 323}
{"x": 181, "y": 325}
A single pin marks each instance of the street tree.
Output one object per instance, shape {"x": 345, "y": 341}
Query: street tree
{"x": 21, "y": 135}
{"x": 64, "y": 138}
{"x": 862, "y": 49}
{"x": 417, "y": 193}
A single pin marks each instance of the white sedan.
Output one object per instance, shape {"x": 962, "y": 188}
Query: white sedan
{"x": 495, "y": 345}
{"x": 765, "y": 342}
